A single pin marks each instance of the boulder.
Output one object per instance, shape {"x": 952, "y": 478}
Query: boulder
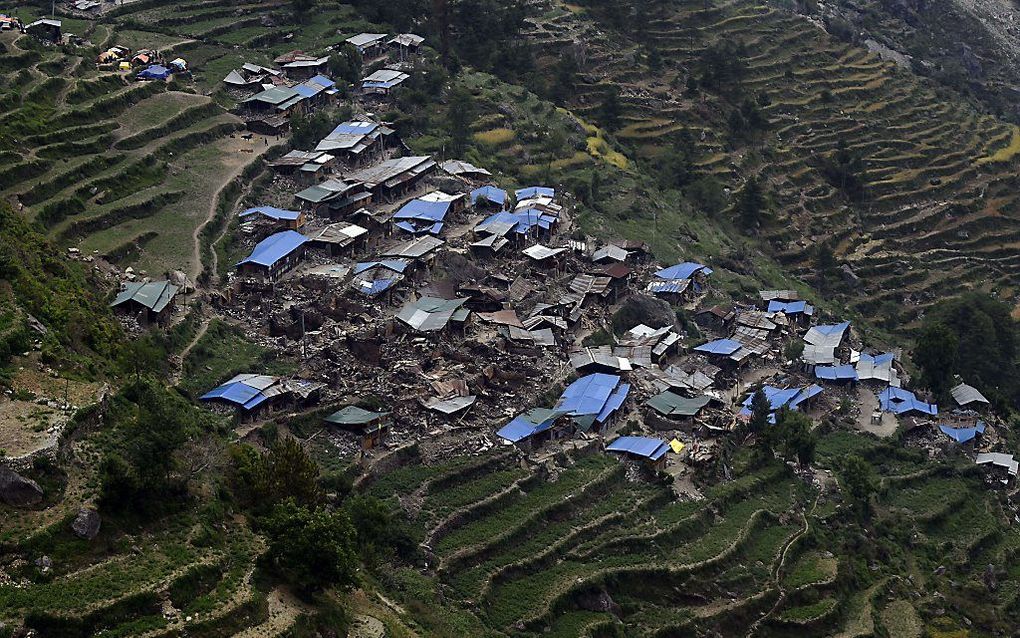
{"x": 642, "y": 308}
{"x": 86, "y": 523}
{"x": 18, "y": 491}
{"x": 598, "y": 601}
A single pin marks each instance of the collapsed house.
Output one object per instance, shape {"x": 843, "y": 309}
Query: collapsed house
{"x": 779, "y": 398}
{"x": 383, "y": 82}
{"x": 904, "y": 403}
{"x": 372, "y": 427}
{"x": 252, "y": 394}
{"x": 588, "y": 404}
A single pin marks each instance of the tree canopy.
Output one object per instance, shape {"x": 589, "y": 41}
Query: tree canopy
{"x": 973, "y": 336}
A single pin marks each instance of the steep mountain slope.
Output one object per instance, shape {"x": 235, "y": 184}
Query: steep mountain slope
{"x": 971, "y": 45}
{"x": 939, "y": 210}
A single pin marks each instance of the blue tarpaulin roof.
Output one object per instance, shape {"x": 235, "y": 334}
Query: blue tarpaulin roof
{"x": 271, "y": 212}
{"x": 647, "y": 447}
{"x": 962, "y": 435}
{"x": 588, "y": 395}
{"x": 719, "y": 346}
{"x": 614, "y": 402}
{"x": 423, "y": 210}
{"x": 528, "y": 424}
{"x": 155, "y": 72}
{"x": 900, "y": 401}
{"x": 779, "y": 397}
{"x": 520, "y": 221}
{"x": 236, "y": 392}
{"x": 354, "y": 128}
{"x": 489, "y": 193}
{"x": 791, "y": 307}
{"x": 534, "y": 191}
{"x": 683, "y": 271}
{"x": 836, "y": 373}
{"x": 274, "y": 248}
{"x": 373, "y": 288}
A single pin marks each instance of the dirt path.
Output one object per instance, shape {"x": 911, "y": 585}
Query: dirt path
{"x": 284, "y": 609}
{"x": 868, "y": 403}
{"x": 259, "y": 145}
{"x": 780, "y": 563}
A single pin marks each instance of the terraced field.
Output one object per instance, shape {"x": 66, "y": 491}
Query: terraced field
{"x": 581, "y": 550}
{"x": 132, "y": 170}
{"x": 940, "y": 178}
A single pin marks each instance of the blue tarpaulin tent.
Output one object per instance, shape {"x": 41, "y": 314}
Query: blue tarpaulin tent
{"x": 646, "y": 447}
{"x": 780, "y": 397}
{"x": 962, "y": 435}
{"x": 154, "y": 72}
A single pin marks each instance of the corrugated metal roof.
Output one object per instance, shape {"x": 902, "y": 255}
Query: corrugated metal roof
{"x": 154, "y": 295}
{"x": 836, "y": 373}
{"x": 965, "y": 394}
{"x": 429, "y": 313}
{"x": 670, "y": 404}
{"x": 829, "y": 335}
{"x": 272, "y": 212}
{"x": 353, "y": 415}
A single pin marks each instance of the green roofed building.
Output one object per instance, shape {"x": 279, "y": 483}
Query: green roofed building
{"x": 151, "y": 302}
{"x": 678, "y": 408}
{"x": 372, "y": 426}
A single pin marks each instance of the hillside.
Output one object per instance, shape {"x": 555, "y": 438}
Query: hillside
{"x": 938, "y": 211}
{"x": 372, "y": 479}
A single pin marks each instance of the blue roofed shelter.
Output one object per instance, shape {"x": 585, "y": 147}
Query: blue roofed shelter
{"x": 836, "y": 374}
{"x": 274, "y": 256}
{"x": 252, "y": 393}
{"x": 904, "y": 403}
{"x": 778, "y": 398}
{"x": 719, "y": 347}
{"x": 154, "y": 72}
{"x": 650, "y": 450}
{"x": 489, "y": 195}
{"x": 531, "y": 192}
{"x": 419, "y": 216}
{"x": 678, "y": 280}
{"x": 588, "y": 404}
{"x": 963, "y": 435}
